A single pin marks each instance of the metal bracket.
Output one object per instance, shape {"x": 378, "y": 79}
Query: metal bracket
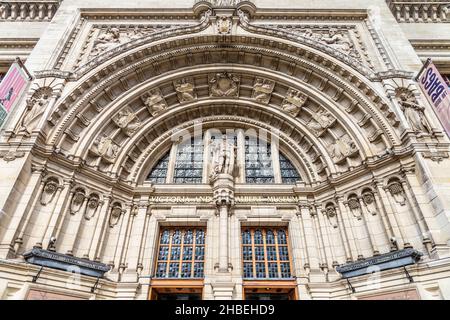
{"x": 37, "y": 275}
{"x": 410, "y": 278}
{"x": 95, "y": 285}
{"x": 350, "y": 285}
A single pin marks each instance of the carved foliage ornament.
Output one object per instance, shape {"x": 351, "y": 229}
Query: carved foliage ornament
{"x": 224, "y": 84}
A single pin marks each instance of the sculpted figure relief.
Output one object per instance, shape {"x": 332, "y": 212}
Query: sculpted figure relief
{"x": 127, "y": 121}
{"x": 334, "y": 39}
{"x": 262, "y": 90}
{"x": 224, "y": 84}
{"x": 342, "y": 148}
{"x": 224, "y": 24}
{"x": 49, "y": 191}
{"x": 320, "y": 122}
{"x": 35, "y": 108}
{"x": 185, "y": 89}
{"x": 293, "y": 102}
{"x": 155, "y": 103}
{"x": 116, "y": 213}
{"x": 223, "y": 157}
{"x": 106, "y": 148}
{"x": 106, "y": 41}
{"x": 93, "y": 203}
{"x": 414, "y": 113}
{"x": 77, "y": 201}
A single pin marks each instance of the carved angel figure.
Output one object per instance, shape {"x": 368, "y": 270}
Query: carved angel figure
{"x": 320, "y": 121}
{"x": 224, "y": 85}
{"x": 35, "y": 108}
{"x": 127, "y": 121}
{"x": 414, "y": 113}
{"x": 262, "y": 90}
{"x": 106, "y": 148}
{"x": 185, "y": 90}
{"x": 293, "y": 102}
{"x": 106, "y": 41}
{"x": 223, "y": 157}
{"x": 342, "y": 148}
{"x": 155, "y": 103}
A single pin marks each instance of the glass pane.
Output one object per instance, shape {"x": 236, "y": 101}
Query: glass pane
{"x": 285, "y": 270}
{"x": 200, "y": 253}
{"x": 273, "y": 270}
{"x": 281, "y": 237}
{"x": 260, "y": 270}
{"x": 288, "y": 172}
{"x": 246, "y": 237}
{"x": 159, "y": 172}
{"x": 165, "y": 237}
{"x": 248, "y": 270}
{"x": 173, "y": 270}
{"x": 186, "y": 270}
{"x": 270, "y": 238}
{"x": 198, "y": 270}
{"x": 161, "y": 269}
{"x": 258, "y": 161}
{"x": 258, "y": 237}
{"x": 163, "y": 253}
{"x": 187, "y": 253}
{"x": 175, "y": 254}
{"x": 200, "y": 237}
{"x": 189, "y": 161}
{"x": 247, "y": 253}
{"x": 271, "y": 253}
{"x": 283, "y": 252}
{"x": 176, "y": 239}
{"x": 259, "y": 253}
{"x": 188, "y": 237}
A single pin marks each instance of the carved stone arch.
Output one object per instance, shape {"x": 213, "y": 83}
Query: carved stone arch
{"x": 357, "y": 88}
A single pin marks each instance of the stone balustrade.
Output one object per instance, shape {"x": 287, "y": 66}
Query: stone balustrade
{"x": 410, "y": 11}
{"x": 39, "y": 10}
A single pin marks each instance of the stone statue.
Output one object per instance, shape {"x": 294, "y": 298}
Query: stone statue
{"x": 342, "y": 148}
{"x": 106, "y": 41}
{"x": 224, "y": 85}
{"x": 223, "y": 157}
{"x": 262, "y": 90}
{"x": 185, "y": 89}
{"x": 127, "y": 121}
{"x": 414, "y": 113}
{"x": 155, "y": 103}
{"x": 106, "y": 148}
{"x": 35, "y": 108}
{"x": 320, "y": 121}
{"x": 293, "y": 102}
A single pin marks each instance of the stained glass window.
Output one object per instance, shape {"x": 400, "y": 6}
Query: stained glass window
{"x": 189, "y": 161}
{"x": 258, "y": 161}
{"x": 158, "y": 174}
{"x": 289, "y": 174}
{"x": 178, "y": 255}
{"x": 265, "y": 253}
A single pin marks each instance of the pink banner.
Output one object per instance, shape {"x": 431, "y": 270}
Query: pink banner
{"x": 437, "y": 93}
{"x": 12, "y": 86}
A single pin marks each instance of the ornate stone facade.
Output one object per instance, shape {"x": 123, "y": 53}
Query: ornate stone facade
{"x": 224, "y": 115}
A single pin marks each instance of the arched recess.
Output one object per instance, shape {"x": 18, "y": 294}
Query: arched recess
{"x": 344, "y": 93}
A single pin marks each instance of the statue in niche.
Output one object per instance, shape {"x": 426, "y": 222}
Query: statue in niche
{"x": 155, "y": 103}
{"x": 414, "y": 113}
{"x": 77, "y": 201}
{"x": 342, "y": 148}
{"x": 106, "y": 41}
{"x": 185, "y": 89}
{"x": 355, "y": 208}
{"x": 224, "y": 24}
{"x": 369, "y": 200}
{"x": 35, "y": 108}
{"x": 116, "y": 213}
{"x": 320, "y": 121}
{"x": 396, "y": 190}
{"x": 224, "y": 85}
{"x": 106, "y": 148}
{"x": 127, "y": 121}
{"x": 330, "y": 212}
{"x": 223, "y": 157}
{"x": 293, "y": 102}
{"x": 49, "y": 191}
{"x": 262, "y": 90}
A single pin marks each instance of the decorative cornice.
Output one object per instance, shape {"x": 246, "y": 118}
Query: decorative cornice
{"x": 38, "y": 10}
{"x": 430, "y": 11}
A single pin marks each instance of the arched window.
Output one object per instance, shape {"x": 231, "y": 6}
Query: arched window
{"x": 159, "y": 172}
{"x": 258, "y": 161}
{"x": 189, "y": 162}
{"x": 289, "y": 174}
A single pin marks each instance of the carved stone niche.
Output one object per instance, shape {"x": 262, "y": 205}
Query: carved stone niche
{"x": 369, "y": 201}
{"x": 330, "y": 212}
{"x": 320, "y": 121}
{"x": 395, "y": 188}
{"x": 185, "y": 89}
{"x": 413, "y": 112}
{"x": 342, "y": 148}
{"x": 155, "y": 102}
{"x": 354, "y": 206}
{"x": 224, "y": 84}
{"x": 77, "y": 200}
{"x": 127, "y": 120}
{"x": 293, "y": 102}
{"x": 106, "y": 148}
{"x": 115, "y": 214}
{"x": 262, "y": 90}
{"x": 92, "y": 205}
{"x": 49, "y": 191}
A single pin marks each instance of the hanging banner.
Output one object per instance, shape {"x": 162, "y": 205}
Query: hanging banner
{"x": 12, "y": 87}
{"x": 437, "y": 92}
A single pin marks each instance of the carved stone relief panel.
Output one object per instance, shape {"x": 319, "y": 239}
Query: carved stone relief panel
{"x": 106, "y": 148}
{"x": 413, "y": 111}
{"x": 185, "y": 89}
{"x": 293, "y": 102}
{"x": 342, "y": 148}
{"x": 262, "y": 90}
{"x": 127, "y": 120}
{"x": 224, "y": 24}
{"x": 155, "y": 102}
{"x": 35, "y": 108}
{"x": 224, "y": 84}
{"x": 320, "y": 121}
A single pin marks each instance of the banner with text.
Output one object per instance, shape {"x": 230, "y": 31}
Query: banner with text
{"x": 12, "y": 86}
{"x": 437, "y": 92}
